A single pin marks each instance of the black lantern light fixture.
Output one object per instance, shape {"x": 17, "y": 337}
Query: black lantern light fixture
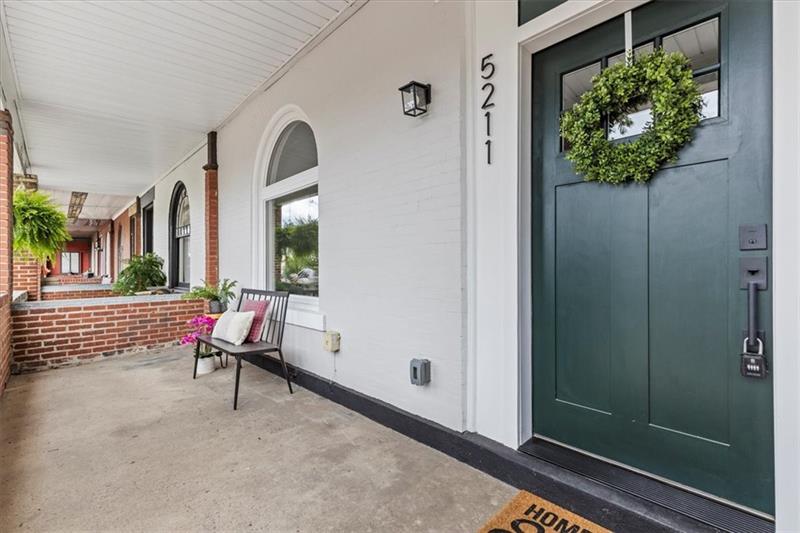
{"x": 416, "y": 97}
{"x": 98, "y": 246}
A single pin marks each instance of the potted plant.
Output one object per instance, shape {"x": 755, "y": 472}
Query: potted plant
{"x": 218, "y": 296}
{"x": 40, "y": 228}
{"x": 201, "y": 325}
{"x": 142, "y": 272}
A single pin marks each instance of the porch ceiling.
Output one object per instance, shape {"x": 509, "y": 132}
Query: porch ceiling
{"x": 111, "y": 95}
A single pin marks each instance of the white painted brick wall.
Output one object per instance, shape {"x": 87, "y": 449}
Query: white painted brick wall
{"x": 391, "y": 225}
{"x": 193, "y": 177}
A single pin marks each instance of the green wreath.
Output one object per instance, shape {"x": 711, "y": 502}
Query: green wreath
{"x": 663, "y": 79}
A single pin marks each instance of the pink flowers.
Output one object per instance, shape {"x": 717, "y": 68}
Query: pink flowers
{"x": 201, "y": 325}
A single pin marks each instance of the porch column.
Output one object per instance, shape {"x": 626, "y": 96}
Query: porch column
{"x": 6, "y": 200}
{"x": 6, "y": 253}
{"x": 211, "y": 212}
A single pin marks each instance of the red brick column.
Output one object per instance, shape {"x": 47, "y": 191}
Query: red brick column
{"x": 212, "y": 212}
{"x": 6, "y": 200}
{"x": 28, "y": 276}
{"x": 6, "y": 252}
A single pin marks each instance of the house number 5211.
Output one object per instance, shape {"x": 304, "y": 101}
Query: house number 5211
{"x": 487, "y": 73}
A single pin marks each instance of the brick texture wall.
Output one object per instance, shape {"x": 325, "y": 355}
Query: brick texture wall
{"x": 5, "y": 340}
{"x": 6, "y": 253}
{"x": 51, "y": 337}
{"x": 77, "y": 293}
{"x": 28, "y": 276}
{"x": 212, "y": 228}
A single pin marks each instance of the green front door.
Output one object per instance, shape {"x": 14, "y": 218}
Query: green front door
{"x": 638, "y": 312}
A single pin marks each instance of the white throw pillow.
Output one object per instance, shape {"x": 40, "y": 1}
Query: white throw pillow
{"x": 233, "y": 326}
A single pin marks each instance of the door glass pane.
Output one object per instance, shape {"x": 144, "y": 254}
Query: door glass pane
{"x": 709, "y": 89}
{"x": 575, "y": 83}
{"x": 641, "y": 116}
{"x": 635, "y": 124}
{"x": 296, "y": 250}
{"x": 699, "y": 43}
{"x": 638, "y": 52}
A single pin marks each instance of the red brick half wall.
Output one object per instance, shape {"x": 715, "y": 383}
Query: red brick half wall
{"x": 73, "y": 292}
{"x": 5, "y": 339}
{"x": 67, "y": 332}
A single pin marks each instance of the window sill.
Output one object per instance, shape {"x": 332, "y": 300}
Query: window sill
{"x": 304, "y": 312}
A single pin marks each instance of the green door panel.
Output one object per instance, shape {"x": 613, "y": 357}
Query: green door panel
{"x": 689, "y": 259}
{"x": 637, "y": 309}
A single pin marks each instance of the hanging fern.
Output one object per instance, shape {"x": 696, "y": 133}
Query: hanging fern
{"x": 40, "y": 228}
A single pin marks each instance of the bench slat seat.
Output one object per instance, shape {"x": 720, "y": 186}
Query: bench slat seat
{"x": 248, "y": 348}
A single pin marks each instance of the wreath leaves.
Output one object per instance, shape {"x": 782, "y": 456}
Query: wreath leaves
{"x": 666, "y": 81}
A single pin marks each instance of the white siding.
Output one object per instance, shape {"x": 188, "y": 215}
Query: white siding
{"x": 390, "y": 187}
{"x": 193, "y": 177}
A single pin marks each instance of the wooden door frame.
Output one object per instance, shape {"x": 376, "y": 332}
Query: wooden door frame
{"x": 568, "y": 20}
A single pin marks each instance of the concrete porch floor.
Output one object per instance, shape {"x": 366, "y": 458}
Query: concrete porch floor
{"x": 132, "y": 443}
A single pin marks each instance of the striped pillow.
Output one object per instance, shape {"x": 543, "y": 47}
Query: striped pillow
{"x": 260, "y": 307}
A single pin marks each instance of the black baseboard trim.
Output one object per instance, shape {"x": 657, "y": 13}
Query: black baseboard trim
{"x": 606, "y": 505}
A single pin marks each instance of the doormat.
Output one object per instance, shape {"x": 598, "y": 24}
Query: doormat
{"x": 527, "y": 513}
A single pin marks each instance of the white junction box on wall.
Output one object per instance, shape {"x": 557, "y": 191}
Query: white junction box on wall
{"x": 331, "y": 340}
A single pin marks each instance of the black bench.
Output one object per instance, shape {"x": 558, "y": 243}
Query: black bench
{"x": 271, "y": 338}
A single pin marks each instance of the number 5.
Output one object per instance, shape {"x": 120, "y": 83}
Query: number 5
{"x": 486, "y": 64}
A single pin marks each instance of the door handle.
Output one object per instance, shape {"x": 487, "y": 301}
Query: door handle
{"x": 752, "y": 315}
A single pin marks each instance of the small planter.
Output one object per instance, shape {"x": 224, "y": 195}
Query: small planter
{"x": 215, "y": 307}
{"x": 206, "y": 365}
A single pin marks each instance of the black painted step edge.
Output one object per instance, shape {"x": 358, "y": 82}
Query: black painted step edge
{"x": 711, "y": 512}
{"x": 596, "y": 501}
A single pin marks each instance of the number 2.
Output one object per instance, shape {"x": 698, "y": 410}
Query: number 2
{"x": 486, "y": 103}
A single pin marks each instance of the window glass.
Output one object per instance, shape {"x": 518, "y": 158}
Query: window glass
{"x": 295, "y": 152}
{"x": 638, "y": 52}
{"x": 575, "y": 83}
{"x": 182, "y": 214}
{"x": 296, "y": 242}
{"x": 184, "y": 261}
{"x": 635, "y": 122}
{"x": 699, "y": 43}
{"x": 179, "y": 254}
{"x": 709, "y": 89}
{"x": 70, "y": 263}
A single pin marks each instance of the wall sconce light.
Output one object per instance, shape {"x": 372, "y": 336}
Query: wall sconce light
{"x": 98, "y": 246}
{"x": 416, "y": 97}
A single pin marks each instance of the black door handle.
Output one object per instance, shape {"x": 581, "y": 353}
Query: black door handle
{"x": 752, "y": 315}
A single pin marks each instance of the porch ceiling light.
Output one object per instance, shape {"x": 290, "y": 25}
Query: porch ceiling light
{"x": 416, "y": 97}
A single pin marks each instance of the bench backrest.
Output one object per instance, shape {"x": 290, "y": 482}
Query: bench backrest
{"x": 275, "y": 321}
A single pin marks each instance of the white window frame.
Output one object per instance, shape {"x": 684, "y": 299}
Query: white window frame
{"x": 303, "y": 311}
{"x": 71, "y": 256}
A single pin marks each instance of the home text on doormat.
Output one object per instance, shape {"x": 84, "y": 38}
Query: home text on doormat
{"x": 528, "y": 513}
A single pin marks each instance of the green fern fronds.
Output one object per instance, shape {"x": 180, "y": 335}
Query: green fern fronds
{"x": 40, "y": 228}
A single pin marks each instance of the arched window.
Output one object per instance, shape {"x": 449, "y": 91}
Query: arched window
{"x": 294, "y": 152}
{"x": 291, "y": 202}
{"x": 180, "y": 229}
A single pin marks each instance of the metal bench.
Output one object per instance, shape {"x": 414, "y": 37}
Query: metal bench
{"x": 271, "y": 338}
